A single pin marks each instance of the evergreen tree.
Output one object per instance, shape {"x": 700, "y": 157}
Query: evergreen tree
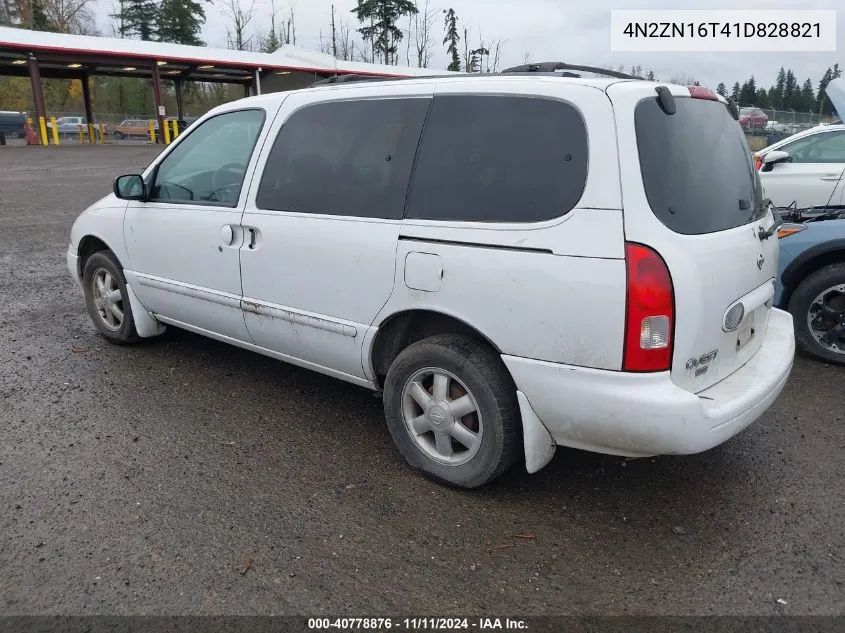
{"x": 180, "y": 21}
{"x": 776, "y": 92}
{"x": 138, "y": 18}
{"x": 790, "y": 91}
{"x": 271, "y": 43}
{"x": 761, "y": 100}
{"x": 823, "y": 104}
{"x": 650, "y": 75}
{"x": 736, "y": 93}
{"x": 808, "y": 97}
{"x": 452, "y": 38}
{"x": 722, "y": 90}
{"x": 748, "y": 92}
{"x": 382, "y": 16}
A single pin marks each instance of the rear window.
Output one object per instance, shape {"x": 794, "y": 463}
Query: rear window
{"x": 697, "y": 170}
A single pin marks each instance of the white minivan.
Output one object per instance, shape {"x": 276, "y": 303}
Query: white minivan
{"x": 517, "y": 261}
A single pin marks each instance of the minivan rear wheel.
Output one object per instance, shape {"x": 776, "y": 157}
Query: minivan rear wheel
{"x": 818, "y": 311}
{"x": 452, "y": 411}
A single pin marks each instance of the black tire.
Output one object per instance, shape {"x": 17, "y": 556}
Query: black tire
{"x": 15, "y": 134}
{"x": 119, "y": 136}
{"x": 108, "y": 262}
{"x": 799, "y": 305}
{"x": 482, "y": 374}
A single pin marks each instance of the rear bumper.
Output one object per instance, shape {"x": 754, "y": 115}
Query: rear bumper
{"x": 639, "y": 415}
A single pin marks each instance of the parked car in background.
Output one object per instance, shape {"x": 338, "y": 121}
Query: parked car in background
{"x": 807, "y": 169}
{"x": 68, "y": 124}
{"x": 811, "y": 284}
{"x": 132, "y": 128}
{"x": 13, "y": 124}
{"x": 442, "y": 242}
{"x": 752, "y": 118}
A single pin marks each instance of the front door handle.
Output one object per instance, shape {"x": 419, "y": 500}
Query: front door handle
{"x": 227, "y": 235}
{"x": 253, "y": 237}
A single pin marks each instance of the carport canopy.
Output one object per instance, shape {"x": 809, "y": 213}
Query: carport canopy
{"x": 40, "y": 55}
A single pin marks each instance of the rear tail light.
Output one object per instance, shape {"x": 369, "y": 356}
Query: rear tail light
{"x": 758, "y": 162}
{"x": 649, "y": 311}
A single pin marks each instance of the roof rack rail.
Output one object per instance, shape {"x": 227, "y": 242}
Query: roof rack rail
{"x": 342, "y": 79}
{"x": 550, "y": 67}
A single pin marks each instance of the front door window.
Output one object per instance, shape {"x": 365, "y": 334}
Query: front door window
{"x": 208, "y": 166}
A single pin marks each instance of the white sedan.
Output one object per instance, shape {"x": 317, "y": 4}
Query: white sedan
{"x": 807, "y": 168}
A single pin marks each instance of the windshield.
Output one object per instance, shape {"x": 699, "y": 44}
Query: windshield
{"x": 697, "y": 170}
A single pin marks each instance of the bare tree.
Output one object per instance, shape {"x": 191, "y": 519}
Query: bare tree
{"x": 241, "y": 17}
{"x": 70, "y": 16}
{"x": 470, "y": 58}
{"x": 289, "y": 27}
{"x": 682, "y": 79}
{"x": 334, "y": 36}
{"x": 498, "y": 45}
{"x": 527, "y": 57}
{"x": 345, "y": 43}
{"x": 423, "y": 25}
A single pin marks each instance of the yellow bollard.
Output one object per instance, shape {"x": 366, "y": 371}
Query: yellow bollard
{"x": 29, "y": 121}
{"x": 152, "y": 131}
{"x": 42, "y": 126}
{"x": 102, "y": 133}
{"x": 91, "y": 135}
{"x": 175, "y": 129}
{"x": 55, "y": 129}
{"x": 81, "y": 140}
{"x": 166, "y": 132}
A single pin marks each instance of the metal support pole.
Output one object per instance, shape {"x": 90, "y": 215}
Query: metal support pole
{"x": 159, "y": 99}
{"x": 89, "y": 111}
{"x": 38, "y": 97}
{"x": 180, "y": 114}
{"x": 258, "y": 81}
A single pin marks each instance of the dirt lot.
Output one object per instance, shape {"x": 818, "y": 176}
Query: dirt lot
{"x": 140, "y": 479}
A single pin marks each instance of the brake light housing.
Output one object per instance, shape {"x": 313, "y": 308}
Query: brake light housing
{"x": 649, "y": 311}
{"x": 699, "y": 92}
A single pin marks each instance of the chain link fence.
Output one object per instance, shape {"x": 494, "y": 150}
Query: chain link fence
{"x": 764, "y": 126}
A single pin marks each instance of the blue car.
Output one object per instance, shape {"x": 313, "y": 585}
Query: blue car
{"x": 811, "y": 285}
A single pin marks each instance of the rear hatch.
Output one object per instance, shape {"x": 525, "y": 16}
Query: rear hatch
{"x": 691, "y": 193}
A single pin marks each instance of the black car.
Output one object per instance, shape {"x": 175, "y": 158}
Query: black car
{"x": 12, "y": 124}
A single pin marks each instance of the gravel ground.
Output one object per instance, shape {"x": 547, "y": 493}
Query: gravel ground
{"x": 147, "y": 479}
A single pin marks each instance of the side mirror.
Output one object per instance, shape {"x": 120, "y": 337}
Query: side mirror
{"x": 130, "y": 187}
{"x": 774, "y": 157}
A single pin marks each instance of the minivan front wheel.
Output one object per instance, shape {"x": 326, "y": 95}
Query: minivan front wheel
{"x": 452, "y": 411}
{"x": 107, "y": 299}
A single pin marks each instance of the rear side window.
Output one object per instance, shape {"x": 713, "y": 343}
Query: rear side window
{"x": 697, "y": 170}
{"x": 350, "y": 158}
{"x": 499, "y": 159}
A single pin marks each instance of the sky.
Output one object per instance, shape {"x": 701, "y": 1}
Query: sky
{"x": 555, "y": 30}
